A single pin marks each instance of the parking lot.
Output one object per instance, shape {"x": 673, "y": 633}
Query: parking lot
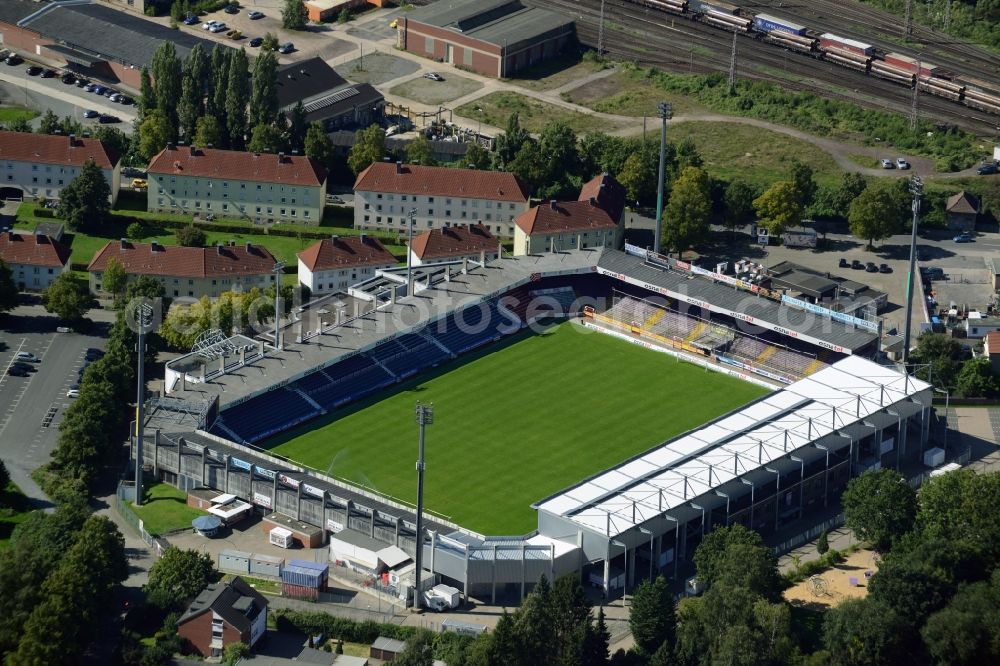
{"x": 32, "y": 407}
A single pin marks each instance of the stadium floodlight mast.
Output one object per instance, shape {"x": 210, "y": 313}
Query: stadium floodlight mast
{"x": 411, "y": 220}
{"x": 424, "y": 418}
{"x": 665, "y": 111}
{"x": 278, "y": 267}
{"x": 916, "y": 189}
{"x": 144, "y": 320}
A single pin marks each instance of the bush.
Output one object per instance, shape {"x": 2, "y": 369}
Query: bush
{"x": 342, "y": 628}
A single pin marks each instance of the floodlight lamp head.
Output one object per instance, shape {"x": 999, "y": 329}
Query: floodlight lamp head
{"x": 916, "y": 186}
{"x": 666, "y": 110}
{"x": 425, "y": 414}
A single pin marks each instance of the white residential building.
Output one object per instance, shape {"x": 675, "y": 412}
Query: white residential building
{"x": 334, "y": 264}
{"x": 41, "y": 165}
{"x": 34, "y": 260}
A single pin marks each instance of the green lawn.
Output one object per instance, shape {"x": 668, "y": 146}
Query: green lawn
{"x": 518, "y": 423}
{"x": 9, "y": 114}
{"x": 164, "y": 509}
{"x": 14, "y": 509}
{"x": 534, "y": 114}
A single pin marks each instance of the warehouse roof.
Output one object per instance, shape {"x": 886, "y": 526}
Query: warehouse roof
{"x": 54, "y": 149}
{"x": 555, "y": 217}
{"x": 346, "y": 252}
{"x": 505, "y": 23}
{"x": 237, "y": 165}
{"x": 305, "y": 79}
{"x": 457, "y": 240}
{"x": 12, "y": 11}
{"x": 98, "y": 30}
{"x": 441, "y": 181}
{"x": 849, "y": 392}
{"x": 189, "y": 262}
{"x": 33, "y": 250}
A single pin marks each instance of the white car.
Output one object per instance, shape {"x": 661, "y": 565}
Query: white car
{"x": 433, "y": 76}
{"x": 26, "y": 356}
{"x": 888, "y": 164}
{"x": 901, "y": 163}
{"x": 73, "y": 393}
{"x": 207, "y": 25}
{"x": 218, "y": 27}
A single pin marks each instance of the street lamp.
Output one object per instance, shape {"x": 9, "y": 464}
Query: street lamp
{"x": 917, "y": 190}
{"x": 615, "y": 542}
{"x": 665, "y": 111}
{"x": 144, "y": 320}
{"x": 643, "y": 530}
{"x": 424, "y": 417}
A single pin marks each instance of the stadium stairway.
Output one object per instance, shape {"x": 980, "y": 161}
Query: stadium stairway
{"x": 221, "y": 425}
{"x": 696, "y": 332}
{"x": 813, "y": 367}
{"x": 768, "y": 352}
{"x": 437, "y": 343}
{"x": 653, "y": 318}
{"x": 305, "y": 396}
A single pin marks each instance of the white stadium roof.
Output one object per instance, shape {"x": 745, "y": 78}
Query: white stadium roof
{"x": 680, "y": 470}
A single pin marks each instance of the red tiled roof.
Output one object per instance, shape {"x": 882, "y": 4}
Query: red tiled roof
{"x": 963, "y": 202}
{"x": 454, "y": 241}
{"x": 609, "y": 193}
{"x": 552, "y": 218}
{"x": 188, "y": 262}
{"x": 33, "y": 250}
{"x": 237, "y": 165}
{"x": 993, "y": 342}
{"x": 441, "y": 181}
{"x": 53, "y": 149}
{"x": 346, "y": 252}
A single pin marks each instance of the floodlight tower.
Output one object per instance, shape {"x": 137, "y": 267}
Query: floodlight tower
{"x": 916, "y": 189}
{"x": 666, "y": 111}
{"x": 278, "y": 267}
{"x": 411, "y": 220}
{"x": 424, "y": 418}
{"x": 144, "y": 320}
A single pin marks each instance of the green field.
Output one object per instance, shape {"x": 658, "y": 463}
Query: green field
{"x": 165, "y": 508}
{"x": 517, "y": 423}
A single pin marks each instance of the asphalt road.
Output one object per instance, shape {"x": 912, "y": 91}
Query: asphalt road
{"x": 25, "y": 402}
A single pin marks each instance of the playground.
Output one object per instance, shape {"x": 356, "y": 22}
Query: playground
{"x": 846, "y": 580}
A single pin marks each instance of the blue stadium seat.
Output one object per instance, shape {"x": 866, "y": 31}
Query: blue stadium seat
{"x": 268, "y": 414}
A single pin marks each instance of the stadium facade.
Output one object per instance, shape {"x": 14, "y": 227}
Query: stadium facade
{"x": 832, "y": 415}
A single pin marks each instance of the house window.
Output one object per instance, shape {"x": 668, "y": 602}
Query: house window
{"x": 401, "y": 198}
{"x": 258, "y": 188}
{"x": 367, "y": 206}
{"x": 489, "y": 204}
{"x": 447, "y": 213}
{"x": 306, "y": 214}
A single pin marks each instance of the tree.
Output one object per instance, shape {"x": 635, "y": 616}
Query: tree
{"x": 967, "y": 630}
{"x": 147, "y": 96}
{"x": 120, "y": 142}
{"x": 318, "y": 145}
{"x": 293, "y": 15}
{"x": 369, "y": 147}
{"x": 8, "y": 290}
{"x": 208, "y": 132}
{"x": 298, "y": 127}
{"x": 879, "y": 506}
{"x": 804, "y": 183}
{"x": 960, "y": 508}
{"x": 861, "y": 632}
{"x": 851, "y": 187}
{"x": 778, "y": 208}
{"x": 711, "y": 556}
{"x": 154, "y": 134}
{"x": 529, "y": 165}
{"x": 86, "y": 201}
{"x": 653, "y": 616}
{"x": 191, "y": 236}
{"x": 823, "y": 543}
{"x": 419, "y": 151}
{"x": 686, "y": 217}
{"x": 738, "y": 202}
{"x": 418, "y": 652}
{"x": 264, "y": 90}
{"x": 270, "y": 42}
{"x": 48, "y": 123}
{"x": 135, "y": 231}
{"x": 114, "y": 278}
{"x": 192, "y": 103}
{"x": 237, "y": 98}
{"x": 940, "y": 357}
{"x": 476, "y": 157}
{"x": 661, "y": 657}
{"x": 557, "y": 144}
{"x": 976, "y": 379}
{"x": 181, "y": 574}
{"x": 510, "y": 142}
{"x": 215, "y": 97}
{"x": 68, "y": 298}
{"x": 265, "y": 139}
{"x": 875, "y": 214}
{"x": 595, "y": 642}
{"x": 165, "y": 68}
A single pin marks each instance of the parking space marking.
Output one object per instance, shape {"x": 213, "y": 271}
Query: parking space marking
{"x": 13, "y": 357}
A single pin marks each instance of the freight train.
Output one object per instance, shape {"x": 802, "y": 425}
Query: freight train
{"x": 842, "y": 51}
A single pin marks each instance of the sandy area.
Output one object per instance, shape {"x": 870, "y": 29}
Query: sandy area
{"x": 837, "y": 584}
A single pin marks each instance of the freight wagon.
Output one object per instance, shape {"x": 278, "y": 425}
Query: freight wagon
{"x": 673, "y": 6}
{"x": 768, "y": 23}
{"x": 828, "y": 40}
{"x": 908, "y": 64}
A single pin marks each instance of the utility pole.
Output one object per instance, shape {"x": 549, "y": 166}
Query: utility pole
{"x": 665, "y": 111}
{"x": 916, "y": 189}
{"x": 278, "y": 267}
{"x": 424, "y": 418}
{"x": 600, "y": 33}
{"x": 144, "y": 320}
{"x": 947, "y": 14}
{"x": 908, "y": 23}
{"x": 732, "y": 65}
{"x": 411, "y": 220}
{"x": 915, "y": 102}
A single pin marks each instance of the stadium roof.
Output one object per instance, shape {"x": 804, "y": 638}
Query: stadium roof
{"x": 849, "y": 392}
{"x": 744, "y": 306}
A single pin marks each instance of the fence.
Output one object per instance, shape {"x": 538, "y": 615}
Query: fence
{"x": 123, "y": 494}
{"x": 812, "y": 533}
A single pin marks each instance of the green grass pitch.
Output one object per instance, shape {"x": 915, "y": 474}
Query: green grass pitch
{"x": 517, "y": 423}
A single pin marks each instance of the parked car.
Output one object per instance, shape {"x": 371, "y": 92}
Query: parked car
{"x": 26, "y": 356}
{"x": 884, "y": 268}
{"x": 108, "y": 119}
{"x": 234, "y": 34}
{"x": 14, "y": 59}
{"x": 255, "y": 42}
{"x": 870, "y": 267}
{"x": 125, "y": 100}
{"x": 190, "y": 19}
{"x": 901, "y": 163}
{"x": 90, "y": 113}
{"x": 48, "y": 73}
{"x": 93, "y": 354}
{"x": 218, "y": 27}
{"x": 73, "y": 393}
{"x": 27, "y": 367}
{"x": 116, "y": 97}
{"x": 208, "y": 24}
{"x": 68, "y": 78}
{"x": 857, "y": 265}
{"x": 99, "y": 90}
{"x": 963, "y": 237}
{"x": 232, "y": 9}
{"x": 90, "y": 87}
{"x": 286, "y": 48}
{"x": 844, "y": 263}
{"x": 82, "y": 83}
{"x": 139, "y": 184}
{"x": 34, "y": 70}
{"x": 987, "y": 169}
{"x": 14, "y": 371}
{"x": 433, "y": 76}
{"x": 63, "y": 329}
{"x": 255, "y": 15}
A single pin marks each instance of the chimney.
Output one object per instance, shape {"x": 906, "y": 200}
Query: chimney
{"x": 281, "y": 158}
{"x": 364, "y": 238}
{"x": 552, "y": 204}
{"x": 208, "y": 146}
{"x": 249, "y": 247}
{"x": 171, "y": 146}
{"x": 232, "y": 243}
{"x": 72, "y": 140}
{"x": 152, "y": 246}
{"x": 399, "y": 167}
{"x": 593, "y": 201}
{"x": 218, "y": 250}
{"x": 122, "y": 243}
{"x": 194, "y": 151}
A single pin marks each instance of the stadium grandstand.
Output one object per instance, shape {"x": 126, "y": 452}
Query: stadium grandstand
{"x": 831, "y": 413}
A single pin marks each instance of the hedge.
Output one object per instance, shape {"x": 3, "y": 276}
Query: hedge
{"x": 346, "y": 629}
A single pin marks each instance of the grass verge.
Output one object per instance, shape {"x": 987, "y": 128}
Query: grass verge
{"x": 164, "y": 508}
{"x": 534, "y": 114}
{"x": 518, "y": 423}
{"x": 10, "y": 114}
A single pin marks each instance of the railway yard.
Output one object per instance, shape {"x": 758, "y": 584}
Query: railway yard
{"x": 643, "y": 32}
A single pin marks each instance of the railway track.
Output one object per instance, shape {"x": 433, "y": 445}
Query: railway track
{"x": 678, "y": 44}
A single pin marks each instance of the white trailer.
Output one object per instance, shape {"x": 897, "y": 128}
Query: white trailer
{"x": 799, "y": 238}
{"x": 442, "y": 597}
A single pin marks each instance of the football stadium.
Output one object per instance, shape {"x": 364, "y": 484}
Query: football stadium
{"x": 595, "y": 411}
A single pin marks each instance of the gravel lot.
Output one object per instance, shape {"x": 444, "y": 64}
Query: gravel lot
{"x": 377, "y": 68}
{"x": 426, "y": 91}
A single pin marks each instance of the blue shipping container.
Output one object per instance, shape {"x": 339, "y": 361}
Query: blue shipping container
{"x": 305, "y": 574}
{"x": 768, "y": 23}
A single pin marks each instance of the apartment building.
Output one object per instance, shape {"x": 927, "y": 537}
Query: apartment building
{"x": 471, "y": 241}
{"x": 256, "y": 187}
{"x": 385, "y": 193}
{"x": 41, "y": 165}
{"x": 34, "y": 260}
{"x": 190, "y": 272}
{"x": 336, "y": 263}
